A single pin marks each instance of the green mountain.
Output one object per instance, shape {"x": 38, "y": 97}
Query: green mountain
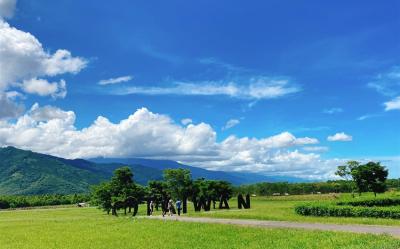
{"x": 26, "y": 172}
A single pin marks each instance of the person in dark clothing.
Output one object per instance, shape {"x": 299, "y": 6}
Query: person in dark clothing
{"x": 178, "y": 206}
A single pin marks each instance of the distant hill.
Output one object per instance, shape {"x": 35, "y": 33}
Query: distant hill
{"x": 25, "y": 172}
{"x": 236, "y": 178}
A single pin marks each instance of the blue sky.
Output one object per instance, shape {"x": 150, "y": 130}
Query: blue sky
{"x": 310, "y": 68}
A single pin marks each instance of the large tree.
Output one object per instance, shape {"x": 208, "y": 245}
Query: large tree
{"x": 371, "y": 176}
{"x": 120, "y": 190}
{"x": 366, "y": 177}
{"x": 158, "y": 191}
{"x": 179, "y": 184}
{"x": 122, "y": 182}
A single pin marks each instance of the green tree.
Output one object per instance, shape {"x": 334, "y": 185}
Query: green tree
{"x": 157, "y": 190}
{"x": 102, "y": 196}
{"x": 120, "y": 190}
{"x": 179, "y": 184}
{"x": 371, "y": 176}
{"x": 347, "y": 172}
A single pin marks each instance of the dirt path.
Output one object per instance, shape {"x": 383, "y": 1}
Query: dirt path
{"x": 373, "y": 229}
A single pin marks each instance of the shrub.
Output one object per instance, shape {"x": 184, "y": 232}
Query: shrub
{"x": 381, "y": 202}
{"x": 347, "y": 211}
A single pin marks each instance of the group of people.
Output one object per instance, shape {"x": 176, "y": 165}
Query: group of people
{"x": 170, "y": 208}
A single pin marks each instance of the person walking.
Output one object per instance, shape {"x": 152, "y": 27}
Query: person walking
{"x": 170, "y": 207}
{"x": 151, "y": 207}
{"x": 178, "y": 206}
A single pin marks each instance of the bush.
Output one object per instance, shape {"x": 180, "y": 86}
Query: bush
{"x": 381, "y": 202}
{"x": 347, "y": 211}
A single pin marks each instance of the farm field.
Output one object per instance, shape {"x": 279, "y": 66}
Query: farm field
{"x": 90, "y": 228}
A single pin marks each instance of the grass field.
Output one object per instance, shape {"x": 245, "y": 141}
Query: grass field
{"x": 282, "y": 208}
{"x": 90, "y": 228}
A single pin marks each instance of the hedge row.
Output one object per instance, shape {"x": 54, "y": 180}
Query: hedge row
{"x": 381, "y": 202}
{"x": 347, "y": 211}
{"x": 41, "y": 200}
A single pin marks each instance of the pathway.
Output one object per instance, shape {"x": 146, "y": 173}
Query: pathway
{"x": 373, "y": 229}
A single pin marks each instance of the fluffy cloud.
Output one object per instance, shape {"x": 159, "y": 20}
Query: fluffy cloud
{"x": 255, "y": 88}
{"x": 7, "y": 8}
{"x": 48, "y": 113}
{"x": 186, "y": 121}
{"x": 44, "y": 88}
{"x": 23, "y": 58}
{"x": 115, "y": 80}
{"x": 393, "y": 104}
{"x": 9, "y": 109}
{"x": 145, "y": 134}
{"x": 340, "y": 137}
{"x": 231, "y": 123}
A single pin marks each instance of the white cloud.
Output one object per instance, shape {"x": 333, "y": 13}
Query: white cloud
{"x": 332, "y": 110}
{"x": 44, "y": 88}
{"x": 387, "y": 83}
{"x": 340, "y": 137}
{"x": 7, "y": 8}
{"x": 47, "y": 113}
{"x": 146, "y": 134}
{"x": 393, "y": 104}
{"x": 8, "y": 108}
{"x": 255, "y": 88}
{"x": 115, "y": 80}
{"x": 231, "y": 123}
{"x": 22, "y": 58}
{"x": 316, "y": 148}
{"x": 368, "y": 116}
{"x": 186, "y": 121}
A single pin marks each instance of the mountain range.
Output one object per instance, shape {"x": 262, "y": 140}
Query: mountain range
{"x": 25, "y": 172}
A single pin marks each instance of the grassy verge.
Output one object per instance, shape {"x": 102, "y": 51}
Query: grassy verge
{"x": 89, "y": 228}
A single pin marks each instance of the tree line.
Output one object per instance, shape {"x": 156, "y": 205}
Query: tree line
{"x": 19, "y": 201}
{"x": 122, "y": 192}
{"x": 357, "y": 177}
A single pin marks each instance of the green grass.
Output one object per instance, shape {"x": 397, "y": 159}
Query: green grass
{"x": 282, "y": 208}
{"x": 90, "y": 228}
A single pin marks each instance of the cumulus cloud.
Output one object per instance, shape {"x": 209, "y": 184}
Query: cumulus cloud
{"x": 47, "y": 113}
{"x": 7, "y": 8}
{"x": 23, "y": 59}
{"x": 393, "y": 104}
{"x": 8, "y": 108}
{"x": 255, "y": 88}
{"x": 145, "y": 134}
{"x": 115, "y": 80}
{"x": 231, "y": 123}
{"x": 341, "y": 136}
{"x": 44, "y": 88}
{"x": 332, "y": 110}
{"x": 186, "y": 121}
